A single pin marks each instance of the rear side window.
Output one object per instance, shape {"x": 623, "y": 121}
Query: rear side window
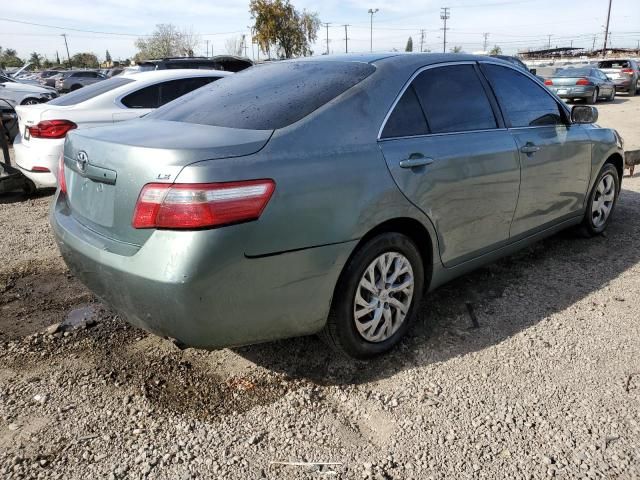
{"x": 89, "y": 92}
{"x": 173, "y": 89}
{"x": 156, "y": 95}
{"x": 407, "y": 118}
{"x": 454, "y": 99}
{"x": 147, "y": 97}
{"x": 524, "y": 102}
{"x": 266, "y": 97}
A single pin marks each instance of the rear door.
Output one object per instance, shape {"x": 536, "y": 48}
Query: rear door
{"x": 451, "y": 156}
{"x": 555, "y": 156}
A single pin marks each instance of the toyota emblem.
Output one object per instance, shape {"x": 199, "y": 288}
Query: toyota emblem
{"x": 82, "y": 159}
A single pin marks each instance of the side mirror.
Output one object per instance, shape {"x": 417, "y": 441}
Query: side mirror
{"x": 533, "y": 71}
{"x": 584, "y": 114}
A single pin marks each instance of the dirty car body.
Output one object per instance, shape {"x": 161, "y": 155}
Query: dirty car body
{"x": 330, "y": 148}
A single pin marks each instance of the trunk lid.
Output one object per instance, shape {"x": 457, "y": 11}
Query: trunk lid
{"x": 613, "y": 73}
{"x": 106, "y": 168}
{"x": 28, "y": 116}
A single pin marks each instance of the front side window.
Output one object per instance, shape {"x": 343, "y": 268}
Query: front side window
{"x": 454, "y": 99}
{"x": 523, "y": 101}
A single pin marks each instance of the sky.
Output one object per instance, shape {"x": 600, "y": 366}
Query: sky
{"x": 512, "y": 24}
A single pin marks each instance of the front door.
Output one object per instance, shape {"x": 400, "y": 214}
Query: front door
{"x": 449, "y": 154}
{"x": 555, "y": 156}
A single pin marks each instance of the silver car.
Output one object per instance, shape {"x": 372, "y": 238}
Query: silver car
{"x": 18, "y": 93}
{"x": 326, "y": 195}
{"x": 73, "y": 80}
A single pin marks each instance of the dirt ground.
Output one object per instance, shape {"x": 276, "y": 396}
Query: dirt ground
{"x": 546, "y": 384}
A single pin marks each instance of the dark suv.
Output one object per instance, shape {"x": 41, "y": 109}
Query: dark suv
{"x": 625, "y": 73}
{"x": 229, "y": 63}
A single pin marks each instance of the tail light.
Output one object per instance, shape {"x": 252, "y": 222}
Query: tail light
{"x": 62, "y": 182}
{"x": 583, "y": 81}
{"x": 51, "y": 129}
{"x": 201, "y": 205}
{"x": 548, "y": 82}
{"x": 628, "y": 71}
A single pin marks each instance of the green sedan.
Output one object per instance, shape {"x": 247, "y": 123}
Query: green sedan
{"x": 325, "y": 195}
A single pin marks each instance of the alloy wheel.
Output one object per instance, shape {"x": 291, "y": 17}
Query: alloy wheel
{"x": 603, "y": 199}
{"x": 31, "y": 101}
{"x": 383, "y": 297}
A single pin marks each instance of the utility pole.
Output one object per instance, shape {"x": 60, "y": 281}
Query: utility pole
{"x": 244, "y": 43}
{"x": 207, "y": 48}
{"x": 422, "y": 40}
{"x": 66, "y": 45}
{"x": 371, "y": 12}
{"x": 484, "y": 45}
{"x": 327, "y": 26}
{"x": 549, "y": 42}
{"x": 593, "y": 47}
{"x": 444, "y": 16}
{"x": 606, "y": 32}
{"x": 346, "y": 38}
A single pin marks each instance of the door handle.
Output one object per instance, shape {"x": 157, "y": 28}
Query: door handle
{"x": 415, "y": 160}
{"x": 529, "y": 148}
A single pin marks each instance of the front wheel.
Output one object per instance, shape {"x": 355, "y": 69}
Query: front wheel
{"x": 602, "y": 201}
{"x": 376, "y": 297}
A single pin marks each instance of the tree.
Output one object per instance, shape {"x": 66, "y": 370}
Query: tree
{"x": 85, "y": 60}
{"x": 456, "y": 49}
{"x": 496, "y": 50}
{"x": 35, "y": 59}
{"x": 9, "y": 58}
{"x": 166, "y": 41}
{"x": 409, "y": 47}
{"x": 233, "y": 45}
{"x": 278, "y": 24}
{"x": 107, "y": 57}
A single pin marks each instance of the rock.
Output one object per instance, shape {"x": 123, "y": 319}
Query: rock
{"x": 13, "y": 427}
{"x": 54, "y": 328}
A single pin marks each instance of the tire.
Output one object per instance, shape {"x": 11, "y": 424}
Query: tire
{"x": 612, "y": 97}
{"x": 30, "y": 101}
{"x": 342, "y": 331}
{"x": 593, "y": 98}
{"x": 592, "y": 223}
{"x": 29, "y": 187}
{"x": 75, "y": 87}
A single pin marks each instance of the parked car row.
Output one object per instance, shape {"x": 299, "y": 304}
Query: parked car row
{"x": 317, "y": 195}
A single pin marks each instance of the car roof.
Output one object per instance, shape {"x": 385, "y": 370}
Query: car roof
{"x": 401, "y": 58}
{"x": 176, "y": 73}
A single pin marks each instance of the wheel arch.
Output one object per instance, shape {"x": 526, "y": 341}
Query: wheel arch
{"x": 617, "y": 161}
{"x": 416, "y": 231}
{"x": 25, "y": 100}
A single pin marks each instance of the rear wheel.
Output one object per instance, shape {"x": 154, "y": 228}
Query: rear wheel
{"x": 593, "y": 98}
{"x": 632, "y": 89}
{"x": 602, "y": 201}
{"x": 75, "y": 87}
{"x": 376, "y": 297}
{"x": 612, "y": 97}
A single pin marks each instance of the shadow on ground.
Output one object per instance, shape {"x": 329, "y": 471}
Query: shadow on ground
{"x": 548, "y": 277}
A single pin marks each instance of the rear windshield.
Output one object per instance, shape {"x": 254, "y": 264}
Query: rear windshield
{"x": 266, "y": 97}
{"x": 89, "y": 92}
{"x": 613, "y": 64}
{"x": 573, "y": 72}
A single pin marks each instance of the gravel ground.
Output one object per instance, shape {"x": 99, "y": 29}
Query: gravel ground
{"x": 547, "y": 383}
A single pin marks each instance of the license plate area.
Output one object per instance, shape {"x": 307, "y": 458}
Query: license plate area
{"x": 90, "y": 199}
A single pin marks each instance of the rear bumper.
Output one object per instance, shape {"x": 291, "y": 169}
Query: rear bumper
{"x": 198, "y": 287}
{"x": 574, "y": 92}
{"x": 38, "y": 154}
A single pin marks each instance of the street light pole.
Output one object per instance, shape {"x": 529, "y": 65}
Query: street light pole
{"x": 371, "y": 12}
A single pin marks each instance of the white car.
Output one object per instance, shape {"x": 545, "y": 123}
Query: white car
{"x": 43, "y": 127}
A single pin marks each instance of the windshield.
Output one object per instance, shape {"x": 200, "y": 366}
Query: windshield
{"x": 89, "y": 92}
{"x": 573, "y": 72}
{"x": 266, "y": 97}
